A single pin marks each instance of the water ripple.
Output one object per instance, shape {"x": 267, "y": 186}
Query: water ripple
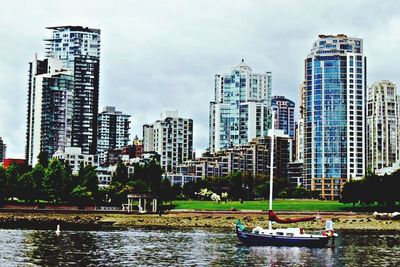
{"x": 189, "y": 247}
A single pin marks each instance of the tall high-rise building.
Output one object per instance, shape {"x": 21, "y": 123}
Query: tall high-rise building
{"x": 79, "y": 50}
{"x": 300, "y": 124}
{"x": 335, "y": 114}
{"x": 296, "y": 168}
{"x": 113, "y": 131}
{"x": 171, "y": 137}
{"x": 3, "y": 150}
{"x": 241, "y": 109}
{"x": 383, "y": 125}
{"x": 67, "y": 43}
{"x": 50, "y": 104}
{"x": 284, "y": 110}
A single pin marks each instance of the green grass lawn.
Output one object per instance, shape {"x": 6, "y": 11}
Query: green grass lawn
{"x": 281, "y": 204}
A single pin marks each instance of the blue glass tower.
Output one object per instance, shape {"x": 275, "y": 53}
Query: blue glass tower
{"x": 335, "y": 114}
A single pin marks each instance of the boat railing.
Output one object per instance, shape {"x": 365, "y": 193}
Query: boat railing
{"x": 315, "y": 232}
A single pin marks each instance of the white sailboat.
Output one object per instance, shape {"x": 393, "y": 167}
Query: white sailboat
{"x": 283, "y": 236}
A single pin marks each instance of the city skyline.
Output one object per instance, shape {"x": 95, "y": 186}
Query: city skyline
{"x": 274, "y": 38}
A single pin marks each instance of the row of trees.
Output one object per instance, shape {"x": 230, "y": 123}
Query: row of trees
{"x": 146, "y": 178}
{"x": 383, "y": 190}
{"x": 54, "y": 182}
{"x": 50, "y": 181}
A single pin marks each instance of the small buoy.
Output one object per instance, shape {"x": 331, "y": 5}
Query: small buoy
{"x": 58, "y": 229}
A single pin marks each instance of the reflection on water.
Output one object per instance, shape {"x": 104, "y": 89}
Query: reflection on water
{"x": 195, "y": 247}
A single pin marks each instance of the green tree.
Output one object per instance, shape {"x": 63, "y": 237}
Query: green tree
{"x": 90, "y": 181}
{"x": 236, "y": 185}
{"x": 81, "y": 195}
{"x": 43, "y": 159}
{"x": 25, "y": 183}
{"x": 38, "y": 173}
{"x": 176, "y": 191}
{"x": 121, "y": 173}
{"x": 189, "y": 190}
{"x": 12, "y": 175}
{"x": 153, "y": 176}
{"x": 248, "y": 181}
{"x": 139, "y": 186}
{"x": 54, "y": 181}
{"x": 3, "y": 183}
{"x": 166, "y": 192}
{"x": 352, "y": 192}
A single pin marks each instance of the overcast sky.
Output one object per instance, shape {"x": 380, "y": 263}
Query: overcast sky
{"x": 163, "y": 55}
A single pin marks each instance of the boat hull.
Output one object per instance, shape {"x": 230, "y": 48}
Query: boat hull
{"x": 253, "y": 239}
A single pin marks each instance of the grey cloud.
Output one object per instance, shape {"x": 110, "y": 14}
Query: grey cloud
{"x": 162, "y": 55}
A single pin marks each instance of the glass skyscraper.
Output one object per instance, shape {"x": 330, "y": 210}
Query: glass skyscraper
{"x": 50, "y": 103}
{"x": 78, "y": 48}
{"x": 241, "y": 107}
{"x": 63, "y": 93}
{"x": 335, "y": 114}
{"x": 284, "y": 110}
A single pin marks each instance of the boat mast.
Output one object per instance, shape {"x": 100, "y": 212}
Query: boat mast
{"x": 271, "y": 166}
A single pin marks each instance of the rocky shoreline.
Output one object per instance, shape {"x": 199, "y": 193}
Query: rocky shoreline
{"x": 44, "y": 222}
{"x": 96, "y": 221}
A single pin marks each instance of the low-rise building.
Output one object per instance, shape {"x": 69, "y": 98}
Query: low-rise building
{"x": 181, "y": 180}
{"x": 137, "y": 147}
{"x": 106, "y": 173}
{"x": 8, "y": 162}
{"x": 388, "y": 170}
{"x": 74, "y": 157}
{"x": 295, "y": 174}
{"x": 252, "y": 158}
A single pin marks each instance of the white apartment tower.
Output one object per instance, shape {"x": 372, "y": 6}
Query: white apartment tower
{"x": 67, "y": 43}
{"x": 49, "y": 111}
{"x": 113, "y": 131}
{"x": 241, "y": 109}
{"x": 383, "y": 125}
{"x": 171, "y": 137}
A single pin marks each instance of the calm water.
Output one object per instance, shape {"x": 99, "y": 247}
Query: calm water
{"x": 184, "y": 248}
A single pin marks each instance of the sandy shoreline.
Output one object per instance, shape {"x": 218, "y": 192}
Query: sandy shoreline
{"x": 225, "y": 220}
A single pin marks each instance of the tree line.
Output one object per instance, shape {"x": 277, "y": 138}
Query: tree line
{"x": 373, "y": 189}
{"x": 53, "y": 181}
{"x": 49, "y": 181}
